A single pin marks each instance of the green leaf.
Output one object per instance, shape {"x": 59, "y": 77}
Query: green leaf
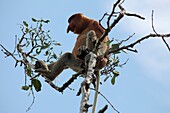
{"x": 25, "y": 88}
{"x": 51, "y": 48}
{"x": 34, "y": 20}
{"x": 44, "y": 47}
{"x": 106, "y": 78}
{"x": 57, "y": 44}
{"x": 113, "y": 80}
{"x": 46, "y": 21}
{"x": 37, "y": 84}
{"x": 38, "y": 51}
{"x": 29, "y": 71}
{"x": 116, "y": 62}
{"x": 26, "y": 30}
{"x": 108, "y": 43}
{"x": 46, "y": 53}
{"x": 25, "y": 23}
{"x": 116, "y": 52}
{"x": 54, "y": 56}
{"x": 116, "y": 73}
{"x": 115, "y": 46}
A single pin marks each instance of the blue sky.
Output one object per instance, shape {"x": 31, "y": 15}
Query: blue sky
{"x": 142, "y": 87}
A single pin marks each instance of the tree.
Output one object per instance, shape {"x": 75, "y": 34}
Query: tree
{"x": 37, "y": 32}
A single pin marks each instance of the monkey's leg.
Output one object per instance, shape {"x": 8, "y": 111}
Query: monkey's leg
{"x": 67, "y": 60}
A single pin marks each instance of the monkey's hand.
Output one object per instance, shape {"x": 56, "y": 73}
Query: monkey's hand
{"x": 82, "y": 52}
{"x": 41, "y": 67}
{"x": 101, "y": 62}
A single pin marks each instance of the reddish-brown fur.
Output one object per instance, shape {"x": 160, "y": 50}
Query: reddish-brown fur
{"x": 81, "y": 25}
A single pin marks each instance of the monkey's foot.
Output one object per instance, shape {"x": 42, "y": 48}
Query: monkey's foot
{"x": 41, "y": 67}
{"x": 41, "y": 64}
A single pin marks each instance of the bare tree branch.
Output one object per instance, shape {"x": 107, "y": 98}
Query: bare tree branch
{"x": 138, "y": 41}
{"x": 33, "y": 100}
{"x": 163, "y": 38}
{"x": 135, "y": 15}
{"x": 106, "y": 100}
{"x": 103, "y": 109}
{"x": 114, "y": 23}
{"x": 153, "y": 28}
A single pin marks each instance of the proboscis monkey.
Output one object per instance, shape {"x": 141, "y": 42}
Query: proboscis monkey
{"x": 89, "y": 31}
{"x": 81, "y": 25}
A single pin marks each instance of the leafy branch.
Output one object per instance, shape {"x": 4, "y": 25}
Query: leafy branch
{"x": 35, "y": 42}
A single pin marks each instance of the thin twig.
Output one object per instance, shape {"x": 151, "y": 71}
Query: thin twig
{"x": 33, "y": 97}
{"x": 120, "y": 16}
{"x": 134, "y": 15}
{"x": 166, "y": 43}
{"x": 127, "y": 38}
{"x": 113, "y": 11}
{"x": 102, "y": 19}
{"x": 65, "y": 85}
{"x": 138, "y": 41}
{"x": 106, "y": 100}
{"x": 35, "y": 76}
{"x": 153, "y": 28}
{"x": 15, "y": 44}
{"x": 6, "y": 52}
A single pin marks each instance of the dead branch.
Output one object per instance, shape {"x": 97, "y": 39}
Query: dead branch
{"x": 127, "y": 39}
{"x": 163, "y": 38}
{"x": 114, "y": 23}
{"x": 106, "y": 100}
{"x": 153, "y": 28}
{"x": 33, "y": 100}
{"x": 138, "y": 41}
{"x": 103, "y": 109}
{"x": 135, "y": 15}
{"x": 112, "y": 13}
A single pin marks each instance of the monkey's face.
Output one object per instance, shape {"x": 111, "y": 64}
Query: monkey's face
{"x": 73, "y": 27}
{"x": 76, "y": 24}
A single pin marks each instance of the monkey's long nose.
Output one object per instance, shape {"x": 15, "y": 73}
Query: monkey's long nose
{"x": 68, "y": 29}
